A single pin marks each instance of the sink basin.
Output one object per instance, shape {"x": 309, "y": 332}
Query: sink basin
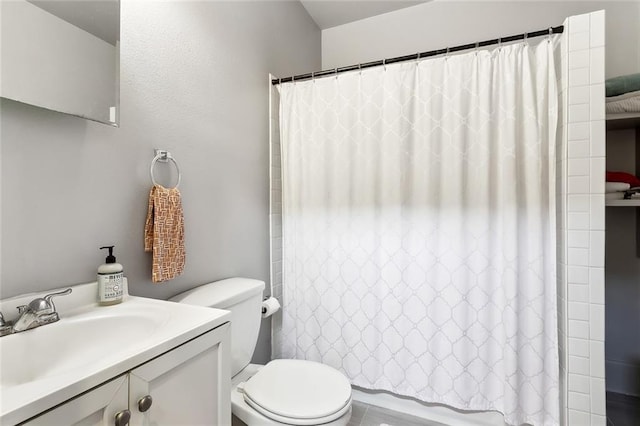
{"x": 73, "y": 343}
{"x": 90, "y": 344}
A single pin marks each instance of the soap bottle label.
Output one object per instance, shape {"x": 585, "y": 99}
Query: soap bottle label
{"x": 110, "y": 286}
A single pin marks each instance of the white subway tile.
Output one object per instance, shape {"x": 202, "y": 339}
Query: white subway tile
{"x": 579, "y": 23}
{"x": 598, "y": 396}
{"x": 578, "y": 329}
{"x": 578, "y": 167}
{"x": 579, "y": 311}
{"x": 579, "y": 95}
{"x": 578, "y": 203}
{"x": 577, "y": 221}
{"x": 596, "y": 322}
{"x": 579, "y": 112}
{"x": 598, "y": 139}
{"x": 579, "y": 149}
{"x": 597, "y": 212}
{"x": 596, "y": 359}
{"x": 578, "y": 293}
{"x": 579, "y": 77}
{"x": 596, "y": 94}
{"x": 598, "y": 420}
{"x": 578, "y": 41}
{"x": 578, "y": 383}
{"x": 578, "y": 418}
{"x": 598, "y": 173}
{"x": 578, "y": 275}
{"x": 578, "y": 131}
{"x": 578, "y": 256}
{"x": 579, "y": 185}
{"x": 597, "y": 65}
{"x": 597, "y": 32}
{"x": 578, "y": 239}
{"x": 579, "y": 401}
{"x": 596, "y": 248}
{"x": 578, "y": 59}
{"x": 578, "y": 365}
{"x": 596, "y": 285}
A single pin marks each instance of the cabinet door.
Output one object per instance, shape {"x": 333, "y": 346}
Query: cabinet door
{"x": 97, "y": 407}
{"x": 189, "y": 385}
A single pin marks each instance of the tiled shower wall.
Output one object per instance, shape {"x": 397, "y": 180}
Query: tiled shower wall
{"x": 275, "y": 210}
{"x": 581, "y": 178}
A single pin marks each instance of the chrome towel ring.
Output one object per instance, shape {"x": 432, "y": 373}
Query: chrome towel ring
{"x": 164, "y": 156}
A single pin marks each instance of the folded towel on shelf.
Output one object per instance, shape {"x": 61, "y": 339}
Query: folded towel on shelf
{"x": 614, "y": 196}
{"x": 164, "y": 233}
{"x": 621, "y": 85}
{"x": 626, "y": 103}
{"x": 623, "y": 177}
{"x": 616, "y": 187}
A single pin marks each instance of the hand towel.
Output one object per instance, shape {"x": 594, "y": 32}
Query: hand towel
{"x": 616, "y": 187}
{"x": 164, "y": 233}
{"x": 627, "y": 103}
{"x": 623, "y": 84}
{"x": 622, "y": 177}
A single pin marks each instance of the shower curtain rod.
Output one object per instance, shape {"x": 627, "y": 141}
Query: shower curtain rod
{"x": 551, "y": 30}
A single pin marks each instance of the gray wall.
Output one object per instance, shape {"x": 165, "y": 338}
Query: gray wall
{"x": 194, "y": 80}
{"x": 443, "y": 23}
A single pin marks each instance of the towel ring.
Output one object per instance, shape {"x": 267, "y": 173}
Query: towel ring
{"x": 164, "y": 156}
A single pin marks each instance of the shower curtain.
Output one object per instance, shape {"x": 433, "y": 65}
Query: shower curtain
{"x": 419, "y": 229}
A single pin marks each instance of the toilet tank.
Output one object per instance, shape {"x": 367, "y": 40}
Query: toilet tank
{"x": 243, "y": 298}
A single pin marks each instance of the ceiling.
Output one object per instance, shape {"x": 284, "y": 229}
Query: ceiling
{"x": 98, "y": 17}
{"x": 331, "y": 13}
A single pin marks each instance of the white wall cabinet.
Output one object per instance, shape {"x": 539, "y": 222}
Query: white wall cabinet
{"x": 189, "y": 384}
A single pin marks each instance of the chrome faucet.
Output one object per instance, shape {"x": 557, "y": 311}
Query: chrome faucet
{"x": 5, "y": 326}
{"x": 38, "y": 312}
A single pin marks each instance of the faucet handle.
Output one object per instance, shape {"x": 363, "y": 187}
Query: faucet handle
{"x": 48, "y": 298}
{"x": 2, "y": 321}
{"x": 21, "y": 309}
{"x": 43, "y": 305}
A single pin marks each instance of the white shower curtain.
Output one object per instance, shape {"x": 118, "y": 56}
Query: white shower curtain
{"x": 419, "y": 229}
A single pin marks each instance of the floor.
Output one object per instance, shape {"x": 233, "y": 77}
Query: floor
{"x": 622, "y": 410}
{"x": 369, "y": 415}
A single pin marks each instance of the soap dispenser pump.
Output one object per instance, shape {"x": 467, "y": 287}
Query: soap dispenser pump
{"x": 110, "y": 280}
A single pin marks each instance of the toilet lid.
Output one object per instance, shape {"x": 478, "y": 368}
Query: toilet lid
{"x": 298, "y": 392}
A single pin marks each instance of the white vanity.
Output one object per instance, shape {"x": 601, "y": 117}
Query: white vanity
{"x": 143, "y": 361}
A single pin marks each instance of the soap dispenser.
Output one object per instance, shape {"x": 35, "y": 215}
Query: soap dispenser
{"x": 110, "y": 280}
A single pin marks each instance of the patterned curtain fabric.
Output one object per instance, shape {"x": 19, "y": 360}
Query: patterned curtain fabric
{"x": 419, "y": 229}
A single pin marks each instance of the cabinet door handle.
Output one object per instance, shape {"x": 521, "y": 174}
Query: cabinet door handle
{"x": 122, "y": 418}
{"x": 144, "y": 403}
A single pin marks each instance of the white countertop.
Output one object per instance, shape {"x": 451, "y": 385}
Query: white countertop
{"x": 45, "y": 366}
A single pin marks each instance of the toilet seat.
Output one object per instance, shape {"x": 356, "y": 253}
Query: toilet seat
{"x": 298, "y": 392}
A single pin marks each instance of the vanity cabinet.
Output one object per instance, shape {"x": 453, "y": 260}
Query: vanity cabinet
{"x": 188, "y": 385}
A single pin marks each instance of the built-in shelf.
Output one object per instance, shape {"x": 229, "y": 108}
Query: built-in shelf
{"x": 623, "y": 203}
{"x": 623, "y": 121}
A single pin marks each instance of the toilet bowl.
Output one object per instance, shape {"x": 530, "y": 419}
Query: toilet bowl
{"x": 284, "y": 391}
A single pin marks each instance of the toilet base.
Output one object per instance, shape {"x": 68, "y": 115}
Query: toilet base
{"x": 242, "y": 411}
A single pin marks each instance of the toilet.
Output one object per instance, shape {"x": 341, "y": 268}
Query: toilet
{"x": 284, "y": 391}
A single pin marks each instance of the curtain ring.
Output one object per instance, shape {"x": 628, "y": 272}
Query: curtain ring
{"x": 477, "y": 48}
{"x": 360, "y": 69}
{"x": 313, "y": 77}
{"x": 384, "y": 64}
{"x": 446, "y": 55}
{"x": 550, "y": 34}
{"x": 335, "y": 71}
{"x": 500, "y": 43}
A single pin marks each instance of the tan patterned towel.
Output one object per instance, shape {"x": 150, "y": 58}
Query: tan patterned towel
{"x": 164, "y": 233}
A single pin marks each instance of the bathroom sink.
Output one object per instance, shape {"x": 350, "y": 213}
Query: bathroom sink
{"x": 73, "y": 343}
{"x": 45, "y": 366}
